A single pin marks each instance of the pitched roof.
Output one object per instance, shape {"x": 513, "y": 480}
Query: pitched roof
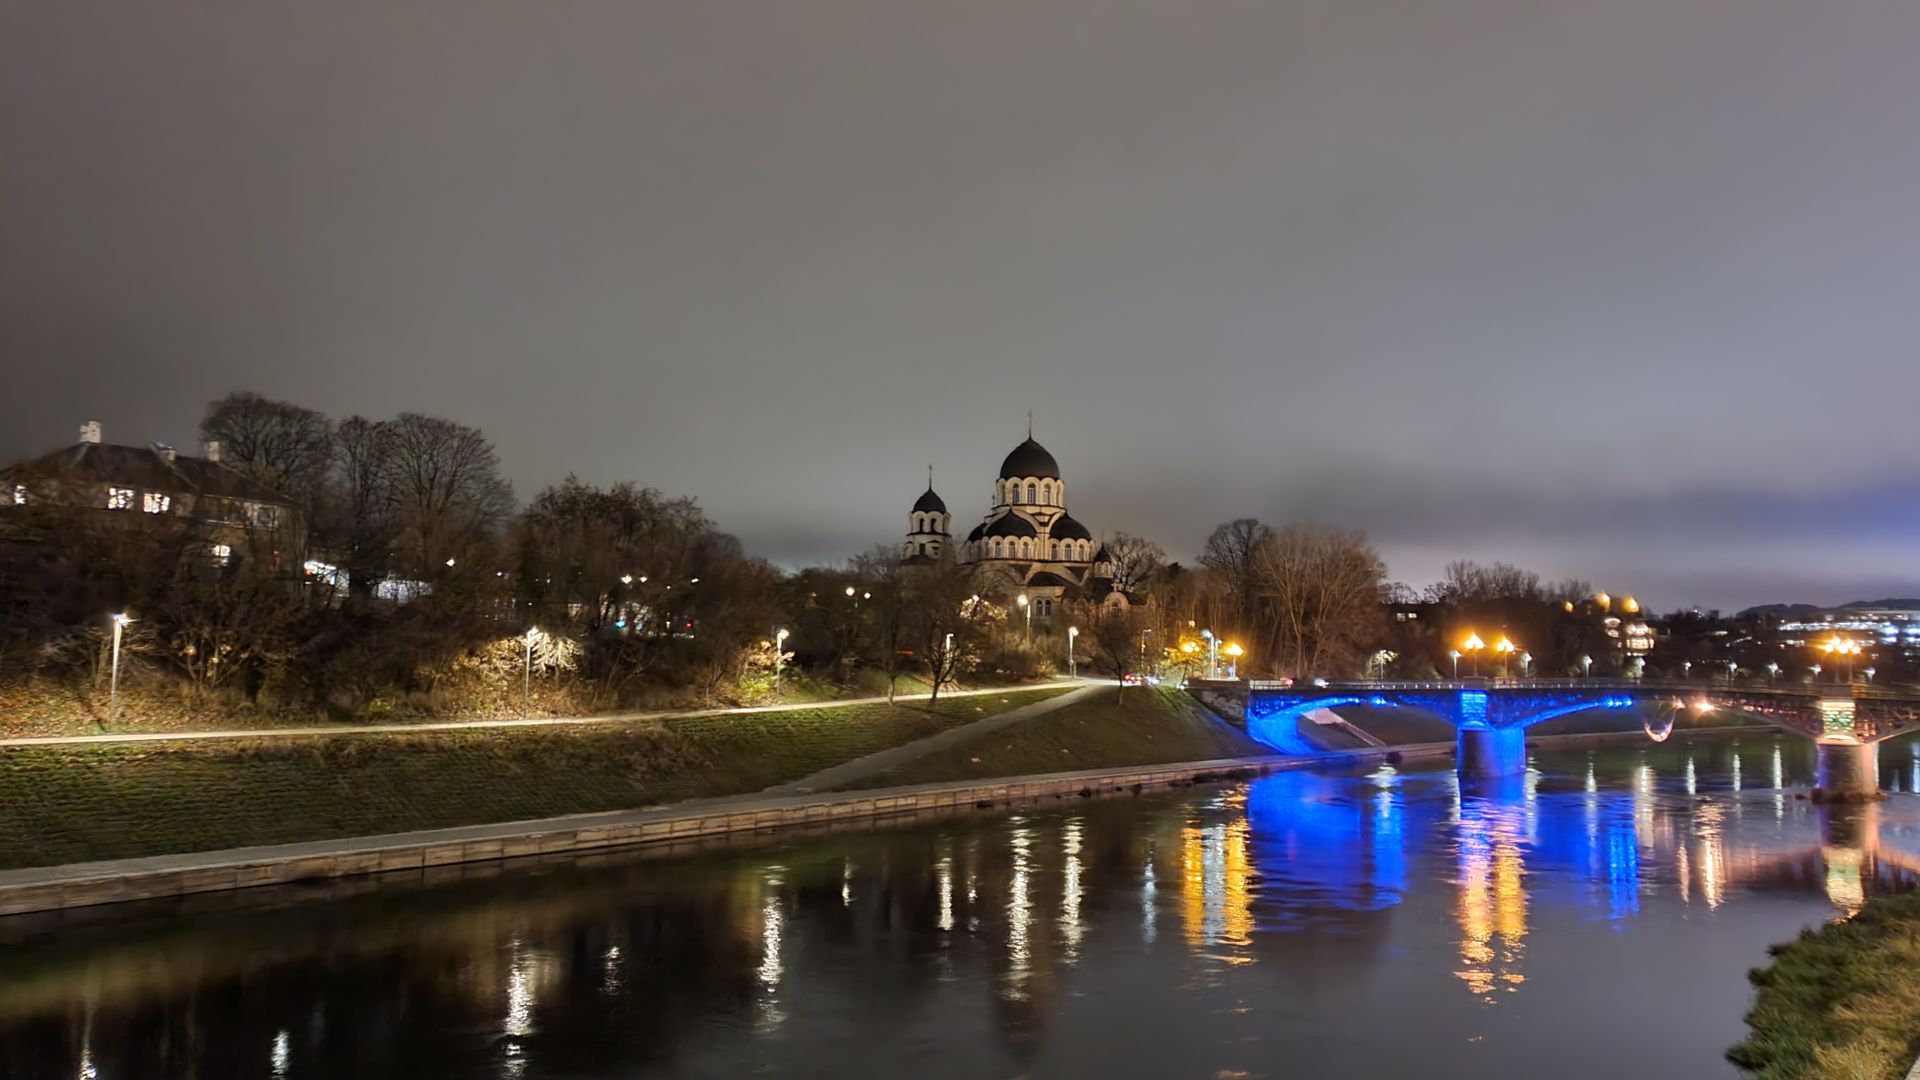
{"x": 147, "y": 467}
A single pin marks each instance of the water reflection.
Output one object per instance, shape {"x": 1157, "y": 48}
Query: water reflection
{"x": 980, "y": 946}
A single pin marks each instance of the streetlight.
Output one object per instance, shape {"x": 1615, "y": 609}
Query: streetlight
{"x": 120, "y": 622}
{"x": 1773, "y": 670}
{"x": 1526, "y": 664}
{"x": 1816, "y": 669}
{"x": 1733, "y": 668}
{"x": 1454, "y": 655}
{"x": 1234, "y": 650}
{"x": 1686, "y": 669}
{"x": 1213, "y": 654}
{"x": 1505, "y": 649}
{"x": 1846, "y": 649}
{"x": 526, "y": 681}
{"x": 1073, "y": 662}
{"x": 1473, "y": 645}
{"x": 1028, "y": 608}
{"x": 779, "y": 654}
{"x": 1586, "y": 667}
{"x": 1869, "y": 675}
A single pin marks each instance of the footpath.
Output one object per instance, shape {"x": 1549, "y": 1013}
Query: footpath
{"x": 478, "y": 725}
{"x": 880, "y": 761}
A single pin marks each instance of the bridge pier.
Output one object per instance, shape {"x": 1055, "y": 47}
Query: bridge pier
{"x": 1847, "y": 771}
{"x": 1489, "y": 752}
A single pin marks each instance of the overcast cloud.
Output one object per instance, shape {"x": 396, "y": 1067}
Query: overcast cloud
{"x": 1622, "y": 290}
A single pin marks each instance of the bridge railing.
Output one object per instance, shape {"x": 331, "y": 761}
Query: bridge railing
{"x": 1707, "y": 689}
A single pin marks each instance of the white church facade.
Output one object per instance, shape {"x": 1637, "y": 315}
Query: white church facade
{"x": 1027, "y": 543}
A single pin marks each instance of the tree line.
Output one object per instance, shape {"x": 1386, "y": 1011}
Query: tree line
{"x": 418, "y": 569}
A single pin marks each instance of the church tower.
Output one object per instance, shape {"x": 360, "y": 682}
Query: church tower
{"x": 929, "y": 526}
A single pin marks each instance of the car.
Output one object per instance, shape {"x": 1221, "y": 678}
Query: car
{"x": 1133, "y": 678}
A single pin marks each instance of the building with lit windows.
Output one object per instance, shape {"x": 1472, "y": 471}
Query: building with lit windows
{"x": 148, "y": 485}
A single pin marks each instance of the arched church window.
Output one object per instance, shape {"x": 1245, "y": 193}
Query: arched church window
{"x": 1030, "y": 492}
{"x": 1046, "y": 493}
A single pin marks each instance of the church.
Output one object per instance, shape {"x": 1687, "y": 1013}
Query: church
{"x": 1026, "y": 544}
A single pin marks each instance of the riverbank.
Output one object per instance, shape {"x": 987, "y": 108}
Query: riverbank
{"x": 1841, "y": 1002}
{"x": 424, "y": 851}
{"x": 110, "y": 800}
{"x": 446, "y": 850}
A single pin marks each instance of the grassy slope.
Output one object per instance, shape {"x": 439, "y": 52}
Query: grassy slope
{"x": 1841, "y": 1002}
{"x": 71, "y": 804}
{"x": 1143, "y": 726}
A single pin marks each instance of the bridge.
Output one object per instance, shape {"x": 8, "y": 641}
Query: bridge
{"x": 1491, "y": 716}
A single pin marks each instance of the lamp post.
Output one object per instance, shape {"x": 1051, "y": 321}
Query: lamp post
{"x": 1235, "y": 651}
{"x": 1073, "y": 662}
{"x": 1212, "y": 654}
{"x": 1526, "y": 664}
{"x": 1473, "y": 645}
{"x": 1733, "y": 668}
{"x": 1773, "y": 670}
{"x": 120, "y": 622}
{"x": 1505, "y": 649}
{"x": 1586, "y": 667}
{"x": 1454, "y": 655}
{"x": 1686, "y": 669}
{"x": 1817, "y": 669}
{"x": 526, "y": 680}
{"x": 1869, "y": 674}
{"x": 1028, "y": 608}
{"x": 779, "y": 655}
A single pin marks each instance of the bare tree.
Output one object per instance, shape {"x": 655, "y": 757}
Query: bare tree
{"x": 446, "y": 487}
{"x": 1112, "y": 636}
{"x": 1322, "y": 588}
{"x": 1230, "y": 554}
{"x": 1135, "y": 561}
{"x": 940, "y": 594}
{"x": 279, "y": 445}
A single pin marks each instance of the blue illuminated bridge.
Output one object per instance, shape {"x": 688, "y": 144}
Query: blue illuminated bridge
{"x": 1491, "y": 716}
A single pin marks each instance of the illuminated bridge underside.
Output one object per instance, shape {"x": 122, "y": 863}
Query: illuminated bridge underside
{"x": 1492, "y": 718}
{"x": 1272, "y": 717}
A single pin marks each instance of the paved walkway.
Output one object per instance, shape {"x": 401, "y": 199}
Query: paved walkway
{"x": 848, "y": 772}
{"x": 466, "y": 725}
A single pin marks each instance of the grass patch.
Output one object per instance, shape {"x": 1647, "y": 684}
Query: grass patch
{"x": 1143, "y": 726}
{"x": 1841, "y": 1002}
{"x": 75, "y": 804}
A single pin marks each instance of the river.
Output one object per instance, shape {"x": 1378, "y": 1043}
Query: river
{"x": 1596, "y": 919}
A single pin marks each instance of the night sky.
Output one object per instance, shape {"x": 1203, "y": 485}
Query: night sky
{"x": 1625, "y": 290}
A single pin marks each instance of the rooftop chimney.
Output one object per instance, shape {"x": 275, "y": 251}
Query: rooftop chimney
{"x": 90, "y": 431}
{"x": 210, "y": 449}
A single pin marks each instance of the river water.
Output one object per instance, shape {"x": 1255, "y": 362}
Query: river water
{"x": 1594, "y": 920}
